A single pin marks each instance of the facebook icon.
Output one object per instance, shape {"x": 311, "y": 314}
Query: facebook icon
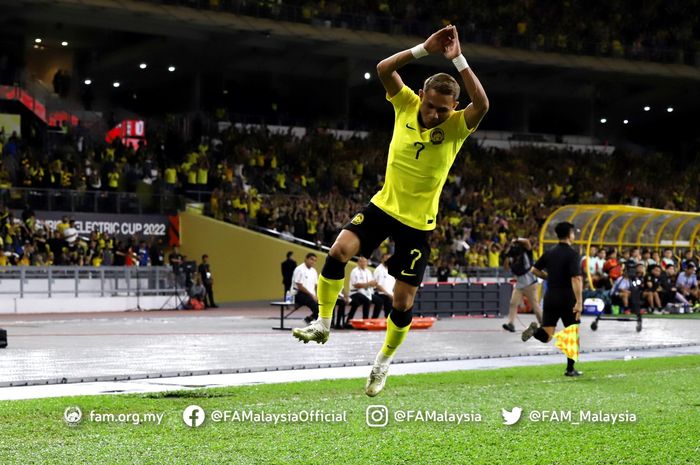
{"x": 193, "y": 416}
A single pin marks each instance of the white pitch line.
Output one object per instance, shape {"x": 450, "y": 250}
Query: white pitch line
{"x": 272, "y": 377}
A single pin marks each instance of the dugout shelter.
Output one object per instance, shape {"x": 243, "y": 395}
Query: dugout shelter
{"x": 623, "y": 226}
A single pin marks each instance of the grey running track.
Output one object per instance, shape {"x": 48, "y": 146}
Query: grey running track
{"x": 101, "y": 347}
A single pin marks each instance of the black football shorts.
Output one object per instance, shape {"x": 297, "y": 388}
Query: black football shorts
{"x": 559, "y": 304}
{"x": 412, "y": 250}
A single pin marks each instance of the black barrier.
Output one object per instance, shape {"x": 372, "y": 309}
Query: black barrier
{"x": 463, "y": 298}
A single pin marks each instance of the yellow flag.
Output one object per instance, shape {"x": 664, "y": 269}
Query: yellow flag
{"x": 567, "y": 341}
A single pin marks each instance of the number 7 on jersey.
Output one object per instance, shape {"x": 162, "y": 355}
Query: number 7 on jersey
{"x": 420, "y": 146}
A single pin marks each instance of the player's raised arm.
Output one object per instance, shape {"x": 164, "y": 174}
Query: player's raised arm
{"x": 479, "y": 105}
{"x": 435, "y": 44}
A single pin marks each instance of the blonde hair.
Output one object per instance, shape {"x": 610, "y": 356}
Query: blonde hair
{"x": 442, "y": 83}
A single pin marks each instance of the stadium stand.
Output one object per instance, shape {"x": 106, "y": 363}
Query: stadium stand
{"x": 301, "y": 183}
{"x": 614, "y": 29}
{"x": 281, "y": 182}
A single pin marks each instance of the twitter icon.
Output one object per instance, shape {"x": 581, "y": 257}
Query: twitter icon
{"x": 512, "y": 417}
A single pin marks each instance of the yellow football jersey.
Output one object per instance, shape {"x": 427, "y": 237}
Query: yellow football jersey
{"x": 419, "y": 162}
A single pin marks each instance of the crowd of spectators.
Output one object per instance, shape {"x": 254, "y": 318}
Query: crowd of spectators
{"x": 307, "y": 187}
{"x": 657, "y": 30}
{"x": 645, "y": 279}
{"x": 116, "y": 167}
{"x": 26, "y": 241}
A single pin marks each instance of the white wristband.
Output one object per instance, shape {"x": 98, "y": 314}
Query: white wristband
{"x": 419, "y": 51}
{"x": 460, "y": 63}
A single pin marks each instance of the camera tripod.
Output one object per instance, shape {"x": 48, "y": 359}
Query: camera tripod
{"x": 175, "y": 296}
{"x": 138, "y": 291}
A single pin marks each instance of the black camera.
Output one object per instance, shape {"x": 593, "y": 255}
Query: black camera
{"x": 187, "y": 269}
{"x": 516, "y": 249}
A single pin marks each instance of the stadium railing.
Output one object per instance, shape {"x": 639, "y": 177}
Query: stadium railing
{"x": 69, "y": 200}
{"x": 108, "y": 281}
{"x": 296, "y": 240}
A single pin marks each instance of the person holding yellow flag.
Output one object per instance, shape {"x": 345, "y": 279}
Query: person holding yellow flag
{"x": 564, "y": 297}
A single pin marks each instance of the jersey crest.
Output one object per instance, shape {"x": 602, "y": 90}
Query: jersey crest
{"x": 437, "y": 135}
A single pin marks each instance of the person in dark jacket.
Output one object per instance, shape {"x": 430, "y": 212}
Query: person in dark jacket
{"x": 288, "y": 267}
{"x": 208, "y": 281}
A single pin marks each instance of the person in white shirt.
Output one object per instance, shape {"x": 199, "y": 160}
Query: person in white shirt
{"x": 594, "y": 265}
{"x": 384, "y": 296}
{"x": 361, "y": 288}
{"x": 622, "y": 288}
{"x": 304, "y": 281}
{"x": 668, "y": 259}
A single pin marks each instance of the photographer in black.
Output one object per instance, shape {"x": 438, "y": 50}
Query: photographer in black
{"x": 519, "y": 261}
{"x": 175, "y": 260}
{"x": 207, "y": 281}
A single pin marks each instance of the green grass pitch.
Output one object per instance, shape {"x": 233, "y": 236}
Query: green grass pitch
{"x": 663, "y": 394}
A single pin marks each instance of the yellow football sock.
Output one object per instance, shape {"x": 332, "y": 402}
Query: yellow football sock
{"x": 394, "y": 337}
{"x": 328, "y": 290}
